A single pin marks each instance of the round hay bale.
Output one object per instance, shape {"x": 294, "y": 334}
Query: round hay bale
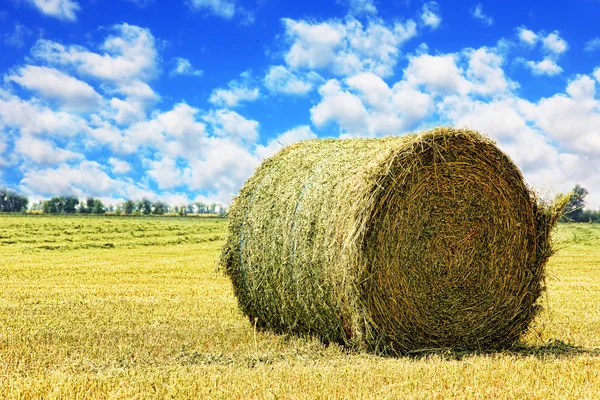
{"x": 424, "y": 241}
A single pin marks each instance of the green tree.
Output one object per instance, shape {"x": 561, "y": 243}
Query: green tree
{"x": 574, "y": 208}
{"x": 12, "y": 201}
{"x": 69, "y": 204}
{"x": 145, "y": 206}
{"x": 129, "y": 207}
{"x": 159, "y": 208}
{"x": 97, "y": 207}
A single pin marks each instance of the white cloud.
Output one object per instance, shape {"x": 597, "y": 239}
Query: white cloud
{"x": 32, "y": 117}
{"x": 478, "y": 14}
{"x": 527, "y": 36}
{"x": 346, "y": 48}
{"x": 545, "y": 67}
{"x": 87, "y": 178}
{"x": 279, "y": 79}
{"x": 165, "y": 172}
{"x": 177, "y": 132}
{"x": 239, "y": 91}
{"x": 592, "y": 44}
{"x": 573, "y": 120}
{"x": 51, "y": 84}
{"x": 119, "y": 166}
{"x": 430, "y": 15}
{"x": 285, "y": 139}
{"x": 223, "y": 168}
{"x": 61, "y": 9}
{"x": 17, "y": 37}
{"x": 369, "y": 107}
{"x": 341, "y": 107}
{"x": 231, "y": 125}
{"x": 485, "y": 72}
{"x": 130, "y": 54}
{"x": 360, "y": 7}
{"x": 184, "y": 67}
{"x": 597, "y": 74}
{"x": 438, "y": 74}
{"x": 554, "y": 43}
{"x": 221, "y": 8}
{"x": 43, "y": 152}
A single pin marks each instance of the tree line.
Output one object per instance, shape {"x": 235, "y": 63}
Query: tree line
{"x": 11, "y": 201}
{"x": 574, "y": 210}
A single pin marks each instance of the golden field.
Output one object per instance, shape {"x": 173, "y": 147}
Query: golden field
{"x": 116, "y": 307}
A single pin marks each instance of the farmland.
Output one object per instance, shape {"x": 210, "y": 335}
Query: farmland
{"x": 105, "y": 307}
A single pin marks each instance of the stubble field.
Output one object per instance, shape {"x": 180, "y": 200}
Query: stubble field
{"x": 110, "y": 307}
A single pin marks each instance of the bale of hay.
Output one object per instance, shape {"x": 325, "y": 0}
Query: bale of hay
{"x": 423, "y": 241}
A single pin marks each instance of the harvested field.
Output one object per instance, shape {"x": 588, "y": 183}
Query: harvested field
{"x": 162, "y": 321}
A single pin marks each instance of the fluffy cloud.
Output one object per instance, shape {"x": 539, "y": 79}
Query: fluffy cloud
{"x": 229, "y": 124}
{"x": 119, "y": 166}
{"x": 16, "y": 38}
{"x": 360, "y": 7}
{"x": 347, "y": 47}
{"x": 222, "y": 169}
{"x": 237, "y": 92}
{"x": 573, "y": 120}
{"x": 592, "y": 44}
{"x": 43, "y": 152}
{"x": 545, "y": 67}
{"x": 527, "y": 36}
{"x": 32, "y": 117}
{"x": 129, "y": 54}
{"x": 369, "y": 107}
{"x": 553, "y": 43}
{"x": 184, "y": 67}
{"x": 221, "y": 8}
{"x": 430, "y": 15}
{"x": 51, "y": 84}
{"x": 165, "y": 172}
{"x": 341, "y": 107}
{"x": 285, "y": 139}
{"x": 478, "y": 14}
{"x": 279, "y": 79}
{"x": 61, "y": 9}
{"x": 438, "y": 74}
{"x": 86, "y": 178}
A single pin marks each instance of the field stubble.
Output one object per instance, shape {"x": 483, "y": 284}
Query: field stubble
{"x": 98, "y": 307}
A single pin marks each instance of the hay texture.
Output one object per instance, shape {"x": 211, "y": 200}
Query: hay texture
{"x": 425, "y": 241}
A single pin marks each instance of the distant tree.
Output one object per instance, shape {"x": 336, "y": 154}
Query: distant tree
{"x": 574, "y": 208}
{"x": 69, "y": 204}
{"x": 129, "y": 207}
{"x": 11, "y": 201}
{"x": 145, "y": 206}
{"x": 201, "y": 208}
{"x": 181, "y": 210}
{"x": 97, "y": 207}
{"x": 53, "y": 206}
{"x": 190, "y": 208}
{"x": 159, "y": 207}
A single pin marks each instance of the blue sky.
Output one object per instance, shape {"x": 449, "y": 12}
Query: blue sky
{"x": 181, "y": 100}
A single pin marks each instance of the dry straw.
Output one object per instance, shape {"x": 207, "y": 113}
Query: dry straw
{"x": 425, "y": 241}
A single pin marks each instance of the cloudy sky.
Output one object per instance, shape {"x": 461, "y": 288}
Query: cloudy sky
{"x": 180, "y": 100}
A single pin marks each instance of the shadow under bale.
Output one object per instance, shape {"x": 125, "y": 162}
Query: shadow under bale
{"x": 428, "y": 240}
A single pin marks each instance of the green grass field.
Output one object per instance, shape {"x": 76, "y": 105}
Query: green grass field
{"x": 100, "y": 307}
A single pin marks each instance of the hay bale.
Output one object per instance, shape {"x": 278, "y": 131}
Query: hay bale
{"x": 423, "y": 241}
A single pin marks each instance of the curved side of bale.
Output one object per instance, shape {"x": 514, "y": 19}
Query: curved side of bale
{"x": 393, "y": 244}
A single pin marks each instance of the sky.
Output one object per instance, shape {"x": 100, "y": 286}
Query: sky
{"x": 180, "y": 100}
